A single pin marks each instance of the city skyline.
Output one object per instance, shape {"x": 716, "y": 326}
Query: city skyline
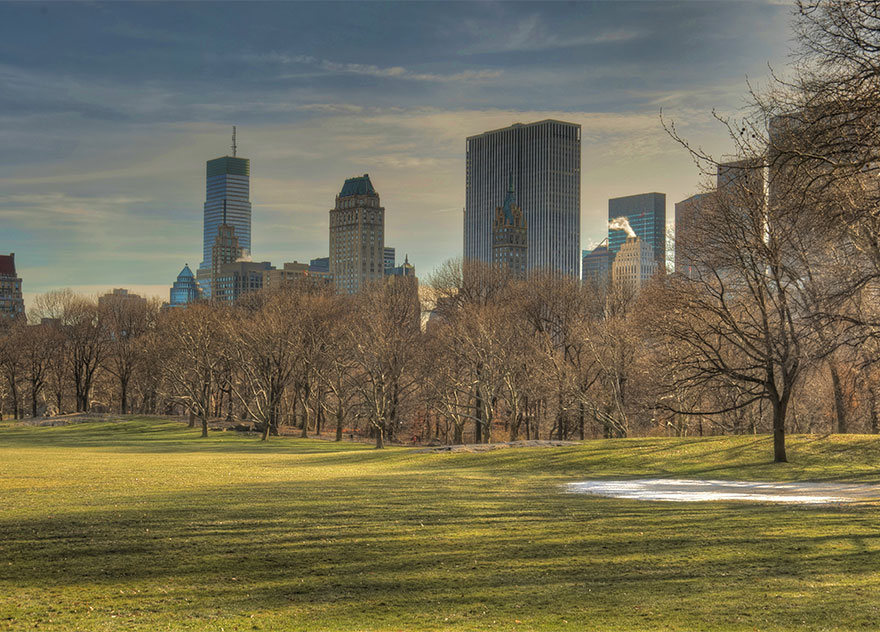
{"x": 107, "y": 143}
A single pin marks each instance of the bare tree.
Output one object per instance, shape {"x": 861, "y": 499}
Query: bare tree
{"x": 384, "y": 335}
{"x": 193, "y": 338}
{"x": 127, "y": 321}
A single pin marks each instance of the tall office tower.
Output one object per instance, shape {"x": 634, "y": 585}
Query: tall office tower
{"x": 185, "y": 289}
{"x": 687, "y": 217}
{"x": 545, "y": 159}
{"x": 647, "y": 216}
{"x": 227, "y": 200}
{"x": 357, "y": 240}
{"x": 11, "y": 300}
{"x": 510, "y": 246}
{"x": 390, "y": 258}
{"x": 634, "y": 264}
{"x": 597, "y": 265}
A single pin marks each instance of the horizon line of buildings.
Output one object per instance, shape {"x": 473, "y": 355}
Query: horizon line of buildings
{"x": 522, "y": 211}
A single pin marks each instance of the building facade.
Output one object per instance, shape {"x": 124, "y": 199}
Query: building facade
{"x": 11, "y": 299}
{"x": 510, "y": 246}
{"x": 357, "y": 236}
{"x": 185, "y": 289}
{"x": 634, "y": 265}
{"x": 687, "y": 218}
{"x": 227, "y": 201}
{"x": 405, "y": 269}
{"x": 646, "y": 214}
{"x": 597, "y": 265}
{"x": 390, "y": 258}
{"x": 545, "y": 160}
{"x": 234, "y": 280}
{"x": 121, "y": 294}
{"x": 293, "y": 274}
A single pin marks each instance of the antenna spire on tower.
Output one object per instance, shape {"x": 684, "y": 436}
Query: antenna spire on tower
{"x": 234, "y": 146}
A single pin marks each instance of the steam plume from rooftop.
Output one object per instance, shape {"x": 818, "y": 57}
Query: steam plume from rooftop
{"x": 621, "y": 223}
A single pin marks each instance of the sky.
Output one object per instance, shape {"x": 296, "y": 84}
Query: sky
{"x": 108, "y": 112}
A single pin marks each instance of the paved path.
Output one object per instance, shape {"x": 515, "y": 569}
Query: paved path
{"x": 684, "y": 490}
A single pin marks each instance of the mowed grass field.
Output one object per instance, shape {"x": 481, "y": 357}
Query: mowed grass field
{"x": 141, "y": 525}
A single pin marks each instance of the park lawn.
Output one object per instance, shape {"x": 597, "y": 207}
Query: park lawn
{"x": 141, "y": 525}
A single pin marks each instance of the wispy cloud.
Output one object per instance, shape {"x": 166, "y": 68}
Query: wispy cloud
{"x": 371, "y": 70}
{"x": 533, "y": 33}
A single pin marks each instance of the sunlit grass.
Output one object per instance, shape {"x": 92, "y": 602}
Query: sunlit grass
{"x": 142, "y": 525}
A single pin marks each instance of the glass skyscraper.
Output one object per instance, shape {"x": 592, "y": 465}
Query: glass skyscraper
{"x": 228, "y": 193}
{"x": 646, "y": 213}
{"x": 545, "y": 161}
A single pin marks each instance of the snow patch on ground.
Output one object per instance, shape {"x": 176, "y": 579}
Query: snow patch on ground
{"x": 685, "y": 490}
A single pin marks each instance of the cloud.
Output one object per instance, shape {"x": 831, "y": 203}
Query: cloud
{"x": 371, "y": 70}
{"x": 532, "y": 33}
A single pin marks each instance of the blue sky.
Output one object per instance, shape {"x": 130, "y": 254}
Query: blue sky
{"x": 108, "y": 112}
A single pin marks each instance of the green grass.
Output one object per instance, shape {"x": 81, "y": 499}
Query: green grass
{"x": 141, "y": 525}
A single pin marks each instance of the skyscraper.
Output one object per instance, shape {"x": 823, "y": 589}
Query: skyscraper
{"x": 687, "y": 218}
{"x": 597, "y": 265}
{"x": 646, "y": 213}
{"x": 545, "y": 160}
{"x": 227, "y": 200}
{"x": 357, "y": 240}
{"x": 11, "y": 301}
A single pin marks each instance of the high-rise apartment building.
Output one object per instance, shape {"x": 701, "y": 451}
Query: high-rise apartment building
{"x": 227, "y": 201}
{"x": 687, "y": 218}
{"x": 510, "y": 246}
{"x": 545, "y": 160}
{"x": 390, "y": 258}
{"x": 11, "y": 300}
{"x": 597, "y": 265}
{"x": 357, "y": 236}
{"x": 634, "y": 265}
{"x": 236, "y": 279}
{"x": 646, "y": 214}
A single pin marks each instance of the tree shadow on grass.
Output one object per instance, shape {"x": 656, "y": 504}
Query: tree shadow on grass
{"x": 162, "y": 436}
{"x": 417, "y": 548}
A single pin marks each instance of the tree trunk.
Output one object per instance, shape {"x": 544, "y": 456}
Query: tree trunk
{"x": 581, "y": 419}
{"x": 872, "y": 402}
{"x": 839, "y": 403}
{"x": 478, "y": 424}
{"x": 457, "y": 434}
{"x": 123, "y": 396}
{"x": 779, "y": 408}
{"x": 192, "y": 418}
{"x": 340, "y": 417}
{"x": 380, "y": 438}
{"x": 204, "y": 425}
{"x": 305, "y": 422}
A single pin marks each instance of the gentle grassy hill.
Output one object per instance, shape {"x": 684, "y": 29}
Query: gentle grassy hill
{"x": 141, "y": 525}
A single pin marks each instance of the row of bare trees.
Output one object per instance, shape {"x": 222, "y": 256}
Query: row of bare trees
{"x": 498, "y": 359}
